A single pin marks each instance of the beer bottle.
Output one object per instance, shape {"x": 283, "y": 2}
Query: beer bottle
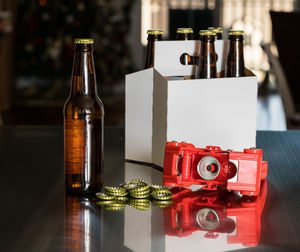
{"x": 184, "y": 34}
{"x": 206, "y": 68}
{"x": 83, "y": 125}
{"x": 218, "y": 31}
{"x": 235, "y": 59}
{"x": 153, "y": 36}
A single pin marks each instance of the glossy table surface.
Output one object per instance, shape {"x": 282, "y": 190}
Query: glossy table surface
{"x": 37, "y": 216}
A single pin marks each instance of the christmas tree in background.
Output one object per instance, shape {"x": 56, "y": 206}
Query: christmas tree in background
{"x": 46, "y": 29}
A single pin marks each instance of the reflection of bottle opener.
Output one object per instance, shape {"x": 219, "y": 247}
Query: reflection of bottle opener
{"x": 216, "y": 212}
{"x": 185, "y": 165}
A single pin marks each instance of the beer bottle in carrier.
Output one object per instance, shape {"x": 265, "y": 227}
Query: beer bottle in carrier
{"x": 153, "y": 36}
{"x": 83, "y": 125}
{"x": 218, "y": 31}
{"x": 206, "y": 68}
{"x": 184, "y": 34}
{"x": 235, "y": 60}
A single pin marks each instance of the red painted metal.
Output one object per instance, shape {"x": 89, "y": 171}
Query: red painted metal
{"x": 213, "y": 168}
{"x": 216, "y": 212}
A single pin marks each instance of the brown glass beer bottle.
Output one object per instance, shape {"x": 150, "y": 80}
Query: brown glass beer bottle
{"x": 153, "y": 36}
{"x": 235, "y": 60}
{"x": 218, "y": 31}
{"x": 184, "y": 34}
{"x": 83, "y": 125}
{"x": 206, "y": 68}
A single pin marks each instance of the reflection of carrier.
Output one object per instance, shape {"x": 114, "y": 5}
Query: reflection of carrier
{"x": 185, "y": 165}
{"x": 216, "y": 212}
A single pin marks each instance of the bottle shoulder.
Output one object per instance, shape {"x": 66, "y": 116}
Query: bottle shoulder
{"x": 82, "y": 105}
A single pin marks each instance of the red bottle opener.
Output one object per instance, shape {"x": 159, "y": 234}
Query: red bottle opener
{"x": 213, "y": 168}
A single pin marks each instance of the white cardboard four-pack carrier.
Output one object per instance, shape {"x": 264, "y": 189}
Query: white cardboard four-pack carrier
{"x": 219, "y": 111}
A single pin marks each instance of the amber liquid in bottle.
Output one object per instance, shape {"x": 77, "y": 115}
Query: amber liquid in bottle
{"x": 83, "y": 127}
{"x": 153, "y": 36}
{"x": 206, "y": 68}
{"x": 235, "y": 60}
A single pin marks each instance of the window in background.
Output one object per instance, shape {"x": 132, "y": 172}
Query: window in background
{"x": 250, "y": 15}
{"x": 253, "y": 17}
{"x": 170, "y": 14}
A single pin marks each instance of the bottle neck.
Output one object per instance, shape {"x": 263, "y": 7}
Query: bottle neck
{"x": 235, "y": 61}
{"x": 207, "y": 59}
{"x": 236, "y": 48}
{"x": 152, "y": 37}
{"x": 219, "y": 36}
{"x": 184, "y": 36}
{"x": 208, "y": 46}
{"x": 83, "y": 76}
{"x": 207, "y": 38}
{"x": 149, "y": 62}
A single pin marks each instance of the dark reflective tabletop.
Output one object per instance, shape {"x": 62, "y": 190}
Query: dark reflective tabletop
{"x": 37, "y": 216}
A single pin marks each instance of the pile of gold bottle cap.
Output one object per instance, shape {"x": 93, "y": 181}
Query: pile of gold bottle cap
{"x": 136, "y": 193}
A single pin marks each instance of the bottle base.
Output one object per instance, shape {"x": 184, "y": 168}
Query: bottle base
{"x": 78, "y": 192}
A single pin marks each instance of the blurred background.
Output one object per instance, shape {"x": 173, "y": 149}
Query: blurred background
{"x": 36, "y": 51}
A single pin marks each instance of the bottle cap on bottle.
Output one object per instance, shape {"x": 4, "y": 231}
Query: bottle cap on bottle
{"x": 83, "y": 41}
{"x": 155, "y": 32}
{"x": 184, "y": 30}
{"x": 207, "y": 32}
{"x": 216, "y": 29}
{"x": 236, "y": 32}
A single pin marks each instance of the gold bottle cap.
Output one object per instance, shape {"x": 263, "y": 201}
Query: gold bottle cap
{"x": 140, "y": 196}
{"x": 121, "y": 198}
{"x": 184, "y": 30}
{"x": 114, "y": 189}
{"x": 115, "y": 206}
{"x": 236, "y": 32}
{"x": 207, "y": 33}
{"x": 216, "y": 29}
{"x": 134, "y": 192}
{"x": 106, "y": 202}
{"x": 158, "y": 187}
{"x": 139, "y": 201}
{"x": 117, "y": 193}
{"x": 104, "y": 196}
{"x": 137, "y": 181}
{"x": 155, "y": 32}
{"x": 162, "y": 203}
{"x": 141, "y": 188}
{"x": 162, "y": 196}
{"x": 162, "y": 191}
{"x": 83, "y": 41}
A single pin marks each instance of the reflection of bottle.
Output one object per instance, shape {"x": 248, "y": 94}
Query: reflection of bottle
{"x": 153, "y": 36}
{"x": 82, "y": 225}
{"x": 235, "y": 60}
{"x": 83, "y": 125}
{"x": 184, "y": 34}
{"x": 206, "y": 68}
